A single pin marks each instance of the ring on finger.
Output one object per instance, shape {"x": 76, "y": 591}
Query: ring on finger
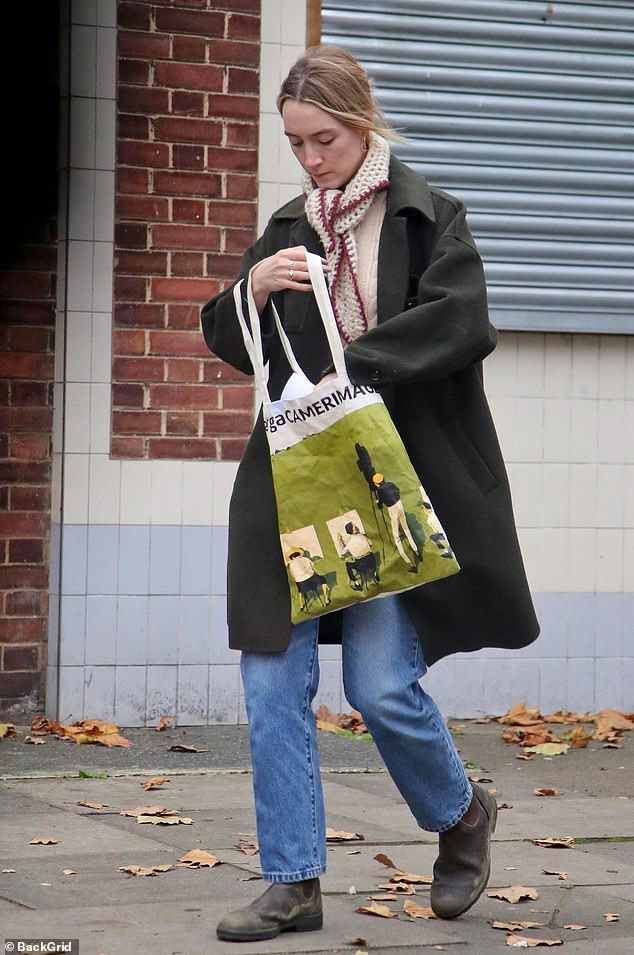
{"x": 291, "y": 272}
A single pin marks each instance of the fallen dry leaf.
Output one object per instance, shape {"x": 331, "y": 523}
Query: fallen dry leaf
{"x": 43, "y": 842}
{"x": 611, "y": 916}
{"x": 383, "y": 911}
{"x": 525, "y": 756}
{"x": 249, "y": 848}
{"x": 515, "y": 926}
{"x": 7, "y": 730}
{"x": 92, "y": 805}
{"x": 164, "y": 723}
{"x": 562, "y": 876}
{"x": 609, "y": 723}
{"x": 578, "y": 738}
{"x": 199, "y": 859}
{"x": 514, "y": 893}
{"x": 34, "y": 740}
{"x": 154, "y": 782}
{"x": 518, "y": 715}
{"x": 398, "y": 888}
{"x": 68, "y": 872}
{"x": 573, "y": 927}
{"x": 165, "y": 820}
{"x": 355, "y": 940}
{"x": 145, "y": 870}
{"x": 549, "y": 749}
{"x": 416, "y": 911}
{"x": 186, "y": 748}
{"x": 149, "y": 811}
{"x": 523, "y": 941}
{"x": 82, "y": 731}
{"x": 534, "y": 736}
{"x": 338, "y": 835}
{"x": 547, "y": 792}
{"x": 384, "y": 860}
{"x": 553, "y": 842}
{"x": 411, "y": 877}
{"x": 326, "y": 720}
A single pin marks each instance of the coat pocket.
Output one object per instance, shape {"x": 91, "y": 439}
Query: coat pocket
{"x": 470, "y": 458}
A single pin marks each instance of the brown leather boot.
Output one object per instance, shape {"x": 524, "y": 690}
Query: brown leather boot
{"x": 284, "y": 906}
{"x": 461, "y": 871}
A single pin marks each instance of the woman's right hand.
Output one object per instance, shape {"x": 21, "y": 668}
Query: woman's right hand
{"x": 287, "y": 269}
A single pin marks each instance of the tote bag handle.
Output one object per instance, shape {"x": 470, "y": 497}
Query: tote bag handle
{"x": 253, "y": 336}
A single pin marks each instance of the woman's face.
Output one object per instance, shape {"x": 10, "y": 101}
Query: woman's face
{"x": 326, "y": 148}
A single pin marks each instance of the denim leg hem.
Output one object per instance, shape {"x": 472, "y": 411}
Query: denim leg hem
{"x": 455, "y": 819}
{"x": 300, "y": 875}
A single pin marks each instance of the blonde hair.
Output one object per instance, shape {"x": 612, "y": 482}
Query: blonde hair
{"x": 332, "y": 79}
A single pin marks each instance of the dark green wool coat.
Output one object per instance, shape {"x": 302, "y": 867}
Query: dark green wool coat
{"x": 425, "y": 358}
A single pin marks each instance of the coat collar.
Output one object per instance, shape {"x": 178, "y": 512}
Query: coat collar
{"x": 408, "y": 192}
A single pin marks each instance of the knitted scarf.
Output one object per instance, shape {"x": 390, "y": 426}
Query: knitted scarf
{"x": 334, "y": 214}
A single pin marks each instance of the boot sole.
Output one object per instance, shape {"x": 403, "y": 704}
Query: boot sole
{"x": 305, "y": 923}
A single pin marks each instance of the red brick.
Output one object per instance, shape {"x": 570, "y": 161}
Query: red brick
{"x": 183, "y": 369}
{"x": 183, "y": 316}
{"x": 188, "y": 157}
{"x": 238, "y": 398}
{"x": 228, "y": 422}
{"x": 132, "y": 422}
{"x": 188, "y": 210}
{"x": 28, "y": 313}
{"x": 128, "y": 342}
{"x": 26, "y": 366}
{"x": 205, "y": 23}
{"x": 29, "y": 338}
{"x": 128, "y": 396}
{"x": 133, "y": 72}
{"x": 26, "y": 551}
{"x": 219, "y": 373}
{"x": 238, "y": 240}
{"x": 232, "y": 106}
{"x": 130, "y": 126}
{"x": 231, "y": 213}
{"x": 30, "y": 447}
{"x": 195, "y": 76}
{"x": 182, "y": 448}
{"x": 185, "y": 237}
{"x": 187, "y": 263}
{"x": 148, "y": 208}
{"x": 187, "y": 184}
{"x": 131, "y": 235}
{"x": 24, "y": 524}
{"x": 241, "y": 27}
{"x": 129, "y": 288}
{"x": 32, "y": 393}
{"x": 21, "y": 658}
{"x": 23, "y": 603}
{"x": 154, "y": 155}
{"x": 232, "y": 449}
{"x": 20, "y": 684}
{"x": 141, "y": 263}
{"x": 23, "y": 577}
{"x": 238, "y": 160}
{"x": 22, "y": 629}
{"x": 183, "y": 290}
{"x": 26, "y": 472}
{"x": 138, "y": 369}
{"x": 25, "y": 285}
{"x": 181, "y": 422}
{"x": 134, "y": 16}
{"x": 145, "y": 46}
{"x": 30, "y": 498}
{"x": 189, "y": 48}
{"x": 243, "y": 81}
{"x": 141, "y": 315}
{"x": 132, "y": 181}
{"x": 181, "y": 129}
{"x": 234, "y": 52}
{"x": 186, "y": 103}
{"x": 243, "y": 6}
{"x": 142, "y": 100}
{"x": 242, "y": 135}
{"x": 127, "y": 447}
{"x": 223, "y": 266}
{"x": 183, "y": 397}
{"x": 242, "y": 187}
{"x": 18, "y": 418}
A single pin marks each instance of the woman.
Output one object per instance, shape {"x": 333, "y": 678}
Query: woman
{"x": 409, "y": 295}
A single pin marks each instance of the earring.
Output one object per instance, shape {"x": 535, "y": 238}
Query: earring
{"x": 365, "y": 142}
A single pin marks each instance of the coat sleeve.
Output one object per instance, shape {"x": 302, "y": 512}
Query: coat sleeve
{"x": 448, "y": 329}
{"x": 220, "y": 323}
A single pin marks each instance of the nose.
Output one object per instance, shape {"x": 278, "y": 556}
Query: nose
{"x": 312, "y": 157}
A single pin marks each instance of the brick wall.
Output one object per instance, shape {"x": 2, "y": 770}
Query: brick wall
{"x": 186, "y": 191}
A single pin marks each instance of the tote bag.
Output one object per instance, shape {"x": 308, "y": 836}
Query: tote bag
{"x": 355, "y": 522}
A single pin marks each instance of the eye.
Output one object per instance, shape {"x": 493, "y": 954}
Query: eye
{"x": 325, "y": 142}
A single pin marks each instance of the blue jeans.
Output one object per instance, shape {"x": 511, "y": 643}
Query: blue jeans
{"x": 382, "y": 663}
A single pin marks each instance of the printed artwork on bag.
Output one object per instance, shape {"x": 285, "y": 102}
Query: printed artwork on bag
{"x": 383, "y": 537}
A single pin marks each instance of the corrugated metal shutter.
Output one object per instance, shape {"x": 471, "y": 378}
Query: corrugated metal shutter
{"x": 525, "y": 110}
